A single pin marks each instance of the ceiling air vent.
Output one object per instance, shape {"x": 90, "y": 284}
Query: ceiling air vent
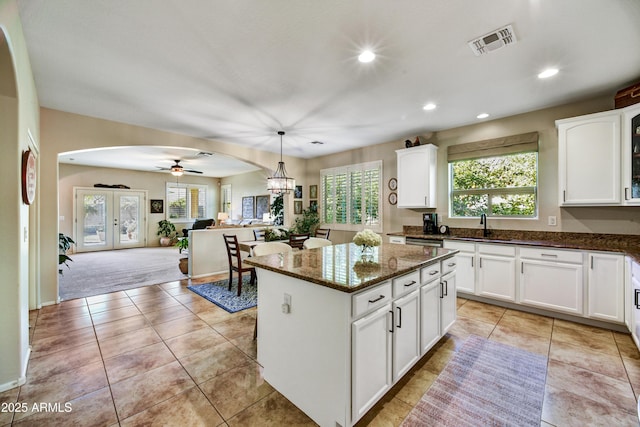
{"x": 493, "y": 41}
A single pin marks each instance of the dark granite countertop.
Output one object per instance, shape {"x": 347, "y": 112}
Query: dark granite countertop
{"x": 621, "y": 243}
{"x": 342, "y": 266}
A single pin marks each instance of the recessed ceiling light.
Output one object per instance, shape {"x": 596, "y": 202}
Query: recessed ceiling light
{"x": 366, "y": 56}
{"x": 429, "y": 106}
{"x": 549, "y": 72}
{"x": 482, "y": 115}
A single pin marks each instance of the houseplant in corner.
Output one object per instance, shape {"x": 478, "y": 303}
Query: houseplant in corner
{"x": 183, "y": 263}
{"x": 166, "y": 231}
{"x": 64, "y": 244}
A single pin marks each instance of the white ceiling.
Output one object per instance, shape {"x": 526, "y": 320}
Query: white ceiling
{"x": 239, "y": 71}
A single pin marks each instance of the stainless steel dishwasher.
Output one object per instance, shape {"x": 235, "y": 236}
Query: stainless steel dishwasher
{"x": 437, "y": 243}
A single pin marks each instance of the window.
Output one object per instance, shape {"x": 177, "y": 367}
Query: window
{"x": 186, "y": 202}
{"x": 350, "y": 196}
{"x": 497, "y": 177}
{"x": 500, "y": 186}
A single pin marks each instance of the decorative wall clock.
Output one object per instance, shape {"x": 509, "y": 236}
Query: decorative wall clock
{"x": 393, "y": 184}
{"x": 28, "y": 177}
{"x": 393, "y": 198}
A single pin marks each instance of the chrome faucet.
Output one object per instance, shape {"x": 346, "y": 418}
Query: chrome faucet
{"x": 483, "y": 221}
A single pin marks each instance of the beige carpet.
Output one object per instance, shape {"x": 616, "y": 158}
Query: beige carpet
{"x": 485, "y": 384}
{"x": 95, "y": 273}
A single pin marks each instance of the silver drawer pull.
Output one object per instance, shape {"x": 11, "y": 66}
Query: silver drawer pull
{"x": 411, "y": 283}
{"x": 550, "y": 255}
{"x": 371, "y": 301}
{"x": 434, "y": 272}
{"x": 452, "y": 264}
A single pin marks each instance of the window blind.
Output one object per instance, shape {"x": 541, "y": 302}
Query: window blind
{"x": 522, "y": 143}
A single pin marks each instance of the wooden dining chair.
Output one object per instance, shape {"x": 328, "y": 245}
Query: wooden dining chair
{"x": 297, "y": 240}
{"x": 235, "y": 261}
{"x": 322, "y": 233}
{"x": 258, "y": 234}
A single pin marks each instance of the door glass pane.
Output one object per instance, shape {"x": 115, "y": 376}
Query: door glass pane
{"x": 635, "y": 163}
{"x": 95, "y": 218}
{"x": 129, "y": 219}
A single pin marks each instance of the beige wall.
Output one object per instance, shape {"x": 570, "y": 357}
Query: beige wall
{"x": 623, "y": 220}
{"x": 18, "y": 222}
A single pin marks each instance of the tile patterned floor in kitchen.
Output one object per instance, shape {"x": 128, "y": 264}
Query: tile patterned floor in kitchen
{"x": 161, "y": 355}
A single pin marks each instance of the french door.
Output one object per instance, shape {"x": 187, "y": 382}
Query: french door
{"x": 109, "y": 219}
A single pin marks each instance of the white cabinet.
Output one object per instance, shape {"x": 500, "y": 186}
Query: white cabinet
{"x": 417, "y": 176}
{"x": 400, "y": 240}
{"x": 465, "y": 268}
{"x": 430, "y": 315}
{"x": 497, "y": 271}
{"x": 370, "y": 360}
{"x": 633, "y": 305}
{"x": 448, "y": 313}
{"x": 631, "y": 154}
{"x": 406, "y": 333}
{"x": 606, "y": 297}
{"x": 589, "y": 160}
{"x": 551, "y": 279}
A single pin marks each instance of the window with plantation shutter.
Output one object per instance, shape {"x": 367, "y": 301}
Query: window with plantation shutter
{"x": 350, "y": 197}
{"x": 186, "y": 202}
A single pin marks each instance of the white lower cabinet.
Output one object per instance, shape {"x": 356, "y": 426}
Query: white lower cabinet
{"x": 371, "y": 360}
{"x": 552, "y": 279}
{"x": 634, "y": 302}
{"x": 606, "y": 296}
{"x": 448, "y": 313}
{"x": 497, "y": 271}
{"x": 466, "y": 267}
{"x": 430, "y": 315}
{"x": 406, "y": 333}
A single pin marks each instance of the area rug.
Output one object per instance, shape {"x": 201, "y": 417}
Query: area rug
{"x": 218, "y": 293}
{"x": 485, "y": 384}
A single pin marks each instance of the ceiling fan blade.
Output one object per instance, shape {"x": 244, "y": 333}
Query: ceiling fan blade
{"x": 193, "y": 171}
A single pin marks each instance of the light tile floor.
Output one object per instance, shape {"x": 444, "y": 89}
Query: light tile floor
{"x": 161, "y": 355}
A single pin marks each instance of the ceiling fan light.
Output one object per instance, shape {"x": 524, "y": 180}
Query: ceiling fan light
{"x": 177, "y": 170}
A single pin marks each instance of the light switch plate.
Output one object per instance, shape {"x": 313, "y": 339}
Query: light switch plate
{"x": 552, "y": 220}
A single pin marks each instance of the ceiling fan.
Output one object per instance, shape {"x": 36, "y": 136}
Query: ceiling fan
{"x": 177, "y": 169}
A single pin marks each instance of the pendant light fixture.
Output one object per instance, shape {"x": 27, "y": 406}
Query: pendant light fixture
{"x": 279, "y": 183}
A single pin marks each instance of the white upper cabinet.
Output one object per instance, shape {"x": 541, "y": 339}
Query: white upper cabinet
{"x": 417, "y": 176}
{"x": 589, "y": 160}
{"x": 631, "y": 155}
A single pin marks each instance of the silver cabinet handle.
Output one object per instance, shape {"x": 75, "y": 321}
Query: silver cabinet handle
{"x": 626, "y": 193}
{"x": 433, "y": 273}
{"x": 451, "y": 264}
{"x": 411, "y": 283}
{"x": 550, "y": 255}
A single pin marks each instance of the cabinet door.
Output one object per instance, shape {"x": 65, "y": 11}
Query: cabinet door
{"x": 417, "y": 177}
{"x": 448, "y": 306}
{"x": 555, "y": 286}
{"x": 429, "y": 315}
{"x": 589, "y": 160}
{"x": 466, "y": 273}
{"x": 631, "y": 155}
{"x": 406, "y": 333}
{"x": 370, "y": 360}
{"x": 606, "y": 287}
{"x": 497, "y": 277}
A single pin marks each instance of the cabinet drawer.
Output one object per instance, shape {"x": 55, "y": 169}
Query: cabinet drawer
{"x": 461, "y": 246}
{"x": 430, "y": 272}
{"x": 401, "y": 240}
{"x": 448, "y": 264}
{"x": 405, "y": 284}
{"x": 635, "y": 270}
{"x": 551, "y": 255}
{"x": 503, "y": 250}
{"x": 370, "y": 299}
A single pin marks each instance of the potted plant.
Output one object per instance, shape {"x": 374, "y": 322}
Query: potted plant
{"x": 307, "y": 223}
{"x": 277, "y": 210}
{"x": 64, "y": 244}
{"x": 166, "y": 231}
{"x": 183, "y": 245}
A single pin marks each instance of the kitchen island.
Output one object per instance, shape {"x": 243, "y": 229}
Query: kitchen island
{"x": 337, "y": 328}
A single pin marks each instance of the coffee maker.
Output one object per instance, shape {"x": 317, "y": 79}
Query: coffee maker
{"x": 429, "y": 223}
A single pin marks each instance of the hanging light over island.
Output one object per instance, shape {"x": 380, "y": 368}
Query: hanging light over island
{"x": 280, "y": 183}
